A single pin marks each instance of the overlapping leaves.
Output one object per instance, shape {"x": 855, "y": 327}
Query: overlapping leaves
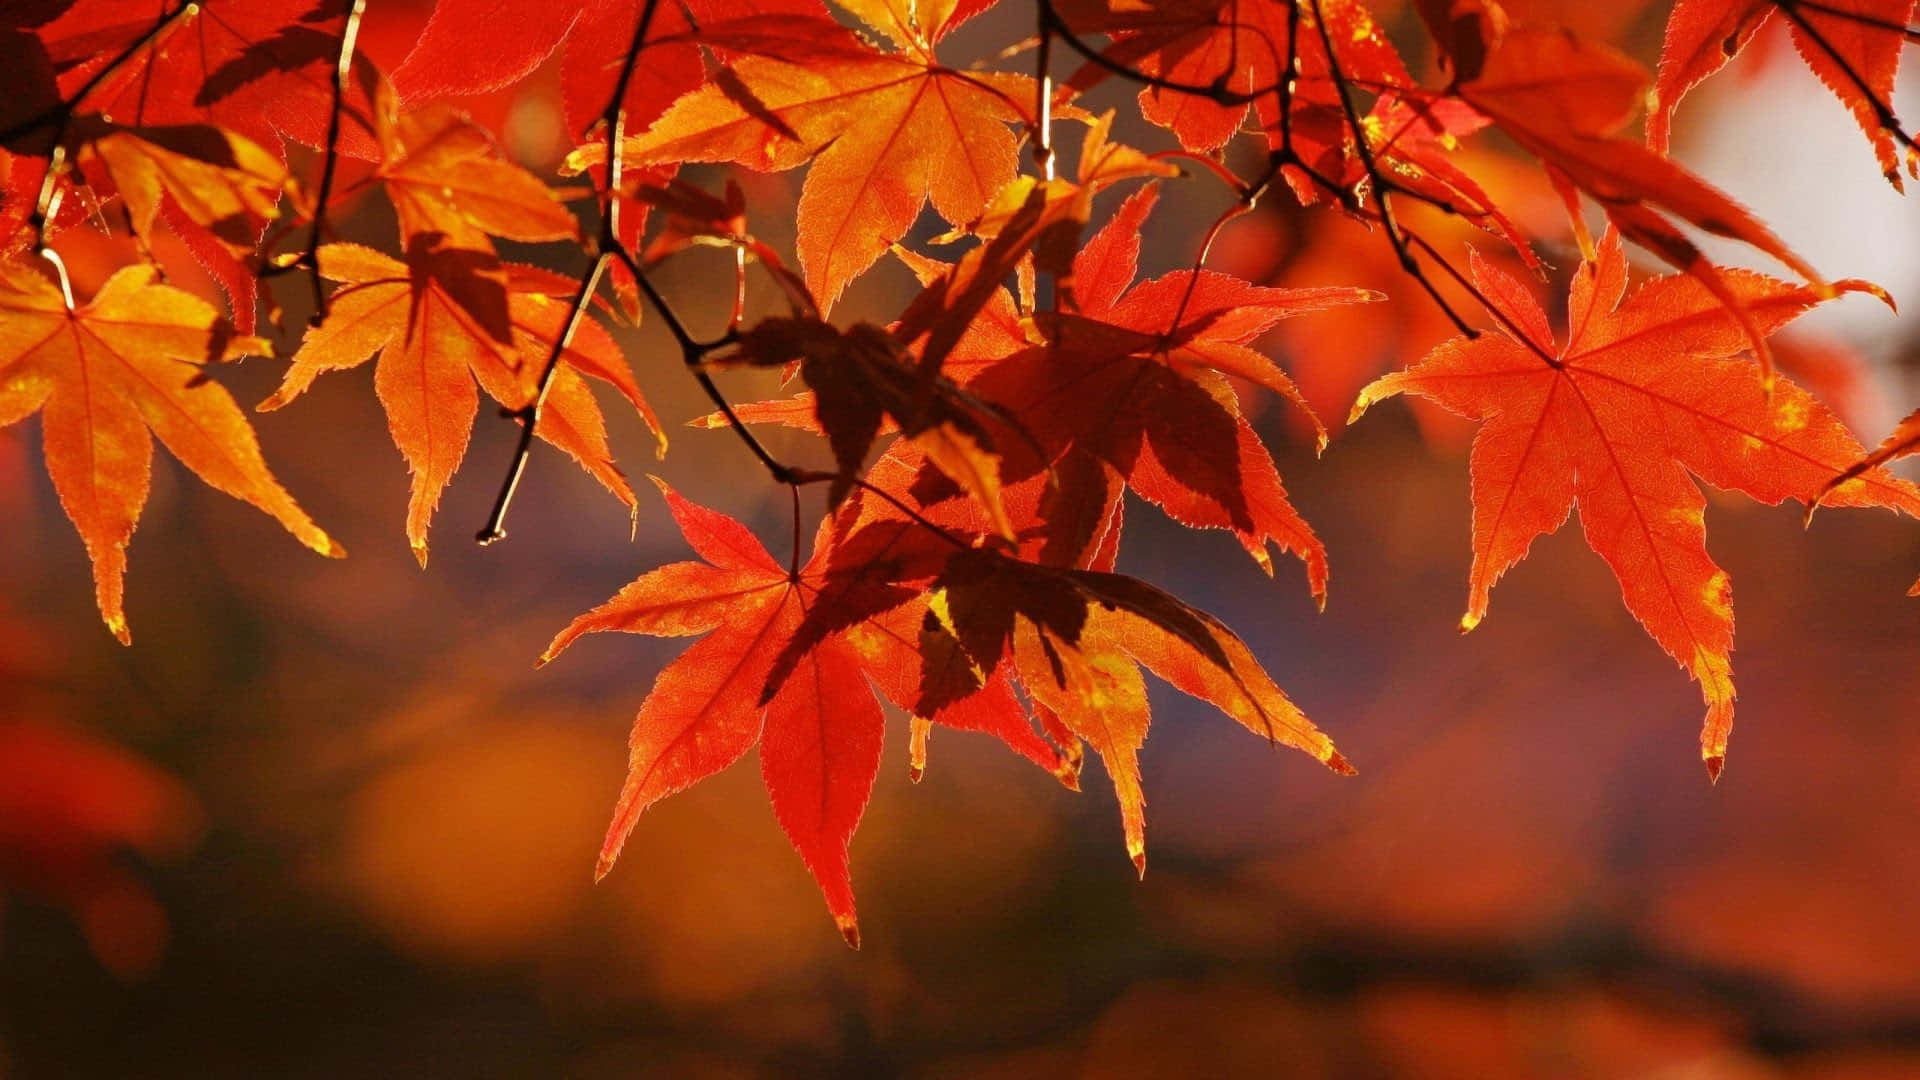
{"x": 982, "y": 442}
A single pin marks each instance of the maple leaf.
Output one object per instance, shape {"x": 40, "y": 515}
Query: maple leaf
{"x": 1648, "y": 389}
{"x": 215, "y": 189}
{"x": 1142, "y": 366}
{"x": 1077, "y": 640}
{"x": 482, "y": 45}
{"x": 221, "y": 182}
{"x": 886, "y": 132}
{"x": 818, "y": 724}
{"x": 446, "y": 175}
{"x": 1030, "y": 226}
{"x": 259, "y": 68}
{"x": 105, "y": 375}
{"x": 1242, "y": 50}
{"x": 1854, "y": 47}
{"x": 478, "y": 46}
{"x": 1564, "y": 99}
{"x": 442, "y": 321}
{"x": 862, "y": 376}
{"x": 789, "y": 655}
{"x": 693, "y": 217}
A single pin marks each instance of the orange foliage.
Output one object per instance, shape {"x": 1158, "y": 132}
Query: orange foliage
{"x": 984, "y": 433}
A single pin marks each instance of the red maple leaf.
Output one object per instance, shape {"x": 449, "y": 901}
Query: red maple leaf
{"x": 766, "y": 675}
{"x": 1648, "y": 391}
{"x": 1130, "y": 391}
{"x": 1854, "y": 46}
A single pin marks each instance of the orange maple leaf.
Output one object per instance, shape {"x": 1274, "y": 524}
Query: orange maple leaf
{"x": 1647, "y": 390}
{"x": 1854, "y": 47}
{"x": 1131, "y": 391}
{"x": 442, "y": 321}
{"x": 1077, "y": 639}
{"x": 1564, "y": 99}
{"x": 1245, "y": 50}
{"x": 217, "y": 190}
{"x": 886, "y": 131}
{"x": 793, "y": 659}
{"x": 446, "y": 175}
{"x": 109, "y": 372}
{"x": 257, "y": 68}
{"x": 863, "y": 378}
{"x": 800, "y": 692}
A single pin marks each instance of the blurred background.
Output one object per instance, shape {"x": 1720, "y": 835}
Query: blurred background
{"x": 324, "y": 819}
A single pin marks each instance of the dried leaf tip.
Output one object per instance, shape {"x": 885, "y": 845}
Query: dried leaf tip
{"x": 1338, "y": 762}
{"x": 917, "y": 748}
{"x": 1715, "y": 763}
{"x": 603, "y": 866}
{"x": 1139, "y": 860}
{"x": 1361, "y": 404}
{"x": 849, "y": 929}
{"x": 1068, "y": 773}
{"x": 420, "y": 552}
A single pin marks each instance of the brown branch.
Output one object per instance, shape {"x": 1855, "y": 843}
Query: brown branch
{"x": 1473, "y": 290}
{"x": 342, "y": 71}
{"x": 47, "y": 205}
{"x": 1381, "y": 189}
{"x": 1052, "y": 23}
{"x": 529, "y": 415}
{"x": 1043, "y": 99}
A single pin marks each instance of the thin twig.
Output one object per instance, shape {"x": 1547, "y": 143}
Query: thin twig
{"x": 1043, "y": 94}
{"x": 1051, "y": 20}
{"x": 1381, "y": 191}
{"x": 342, "y": 71}
{"x": 1499, "y": 316}
{"x": 529, "y": 416}
{"x": 47, "y": 205}
{"x": 793, "y": 564}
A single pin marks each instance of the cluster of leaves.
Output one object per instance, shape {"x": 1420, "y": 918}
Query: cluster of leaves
{"x": 983, "y": 441}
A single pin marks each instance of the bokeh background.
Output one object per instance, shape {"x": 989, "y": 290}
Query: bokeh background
{"x": 324, "y": 819}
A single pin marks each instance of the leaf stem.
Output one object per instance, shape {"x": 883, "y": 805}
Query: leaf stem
{"x": 1381, "y": 190}
{"x": 1043, "y": 104}
{"x": 330, "y": 157}
{"x": 529, "y": 414}
{"x": 47, "y": 205}
{"x": 1499, "y": 316}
